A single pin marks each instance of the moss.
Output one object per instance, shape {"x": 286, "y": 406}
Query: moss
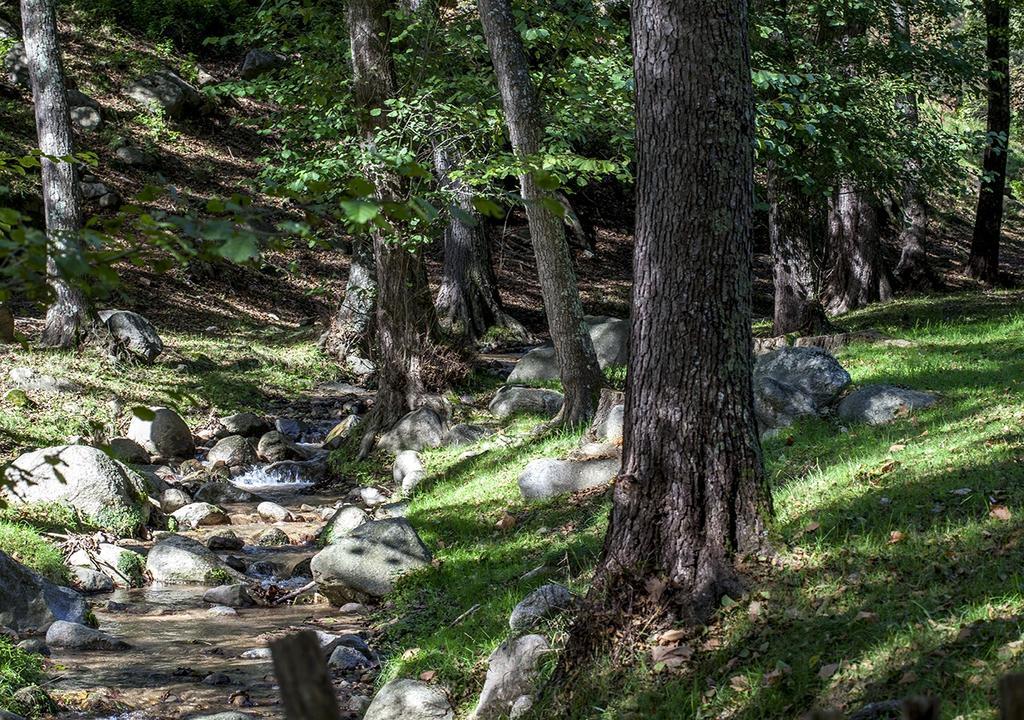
{"x": 219, "y": 576}
{"x": 25, "y": 545}
{"x": 120, "y": 521}
{"x": 133, "y": 568}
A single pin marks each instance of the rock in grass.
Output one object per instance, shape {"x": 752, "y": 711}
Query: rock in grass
{"x": 545, "y": 478}
{"x": 511, "y": 675}
{"x": 259, "y": 62}
{"x": 180, "y": 560}
{"x": 408, "y": 470}
{"x": 164, "y": 91}
{"x": 342, "y": 523}
{"x": 793, "y": 382}
{"x": 422, "y": 428}
{"x": 134, "y": 334}
{"x": 365, "y": 563}
{"x": 84, "y": 477}
{"x": 407, "y": 699}
{"x": 28, "y": 601}
{"x": 544, "y": 602}
{"x": 164, "y": 434}
{"x": 74, "y": 636}
{"x": 514, "y": 400}
{"x": 609, "y": 335}
{"x": 881, "y": 404}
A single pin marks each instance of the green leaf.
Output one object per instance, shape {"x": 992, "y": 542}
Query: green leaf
{"x": 360, "y": 211}
{"x": 488, "y": 207}
{"x": 239, "y": 249}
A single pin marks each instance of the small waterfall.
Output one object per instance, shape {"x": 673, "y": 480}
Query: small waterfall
{"x": 260, "y": 477}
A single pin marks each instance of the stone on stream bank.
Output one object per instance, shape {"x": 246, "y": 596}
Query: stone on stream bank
{"x": 511, "y": 675}
{"x": 233, "y": 451}
{"x": 233, "y": 596}
{"x": 165, "y": 434}
{"x": 881, "y": 404}
{"x": 180, "y": 560}
{"x": 74, "y": 636}
{"x": 122, "y": 565}
{"x": 547, "y": 477}
{"x": 273, "y": 512}
{"x": 407, "y": 699}
{"x": 199, "y": 514}
{"x": 84, "y": 477}
{"x": 342, "y": 523}
{"x": 363, "y": 564}
{"x": 28, "y": 601}
{"x": 135, "y": 335}
{"x": 611, "y": 343}
{"x": 422, "y": 428}
{"x": 516, "y": 400}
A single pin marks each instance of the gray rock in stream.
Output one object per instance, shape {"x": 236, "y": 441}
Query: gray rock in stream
{"x": 199, "y": 514}
{"x": 234, "y": 596}
{"x": 407, "y": 699}
{"x": 29, "y": 601}
{"x": 79, "y": 637}
{"x": 181, "y": 560}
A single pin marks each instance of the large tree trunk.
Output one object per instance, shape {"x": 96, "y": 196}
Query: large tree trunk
{"x": 468, "y": 303}
{"x": 983, "y": 262}
{"x": 791, "y": 228}
{"x": 68, "y": 317}
{"x": 581, "y": 377}
{"x": 349, "y": 329}
{"x": 857, "y": 274}
{"x": 405, "y": 311}
{"x": 689, "y": 499}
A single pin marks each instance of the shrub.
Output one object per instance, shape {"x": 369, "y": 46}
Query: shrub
{"x": 186, "y": 22}
{"x": 133, "y": 568}
{"x": 24, "y": 544}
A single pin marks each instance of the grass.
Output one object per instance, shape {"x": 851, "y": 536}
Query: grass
{"x": 18, "y": 670}
{"x": 899, "y": 548}
{"x": 24, "y": 544}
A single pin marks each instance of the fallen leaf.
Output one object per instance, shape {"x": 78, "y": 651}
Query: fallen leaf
{"x": 671, "y": 636}
{"x": 507, "y": 522}
{"x": 828, "y": 671}
{"x": 866, "y": 616}
{"x": 896, "y": 536}
{"x": 999, "y": 512}
{"x": 655, "y": 588}
{"x": 671, "y": 656}
{"x": 811, "y": 527}
{"x": 410, "y": 653}
{"x": 896, "y": 447}
{"x": 908, "y": 677}
{"x": 739, "y": 683}
{"x": 428, "y": 675}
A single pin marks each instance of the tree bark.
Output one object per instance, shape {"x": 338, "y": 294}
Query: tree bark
{"x": 983, "y": 262}
{"x": 857, "y": 274}
{"x": 6, "y": 324}
{"x": 405, "y": 318}
{"x": 468, "y": 303}
{"x": 581, "y": 377}
{"x": 689, "y": 499}
{"x": 68, "y": 317}
{"x": 349, "y": 329}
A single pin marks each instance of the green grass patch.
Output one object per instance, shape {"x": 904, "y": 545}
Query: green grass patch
{"x": 18, "y": 669}
{"x": 24, "y": 544}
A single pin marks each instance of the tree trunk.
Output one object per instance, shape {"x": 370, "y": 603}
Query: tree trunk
{"x": 581, "y": 377}
{"x": 468, "y": 303}
{"x": 914, "y": 269}
{"x": 689, "y": 499}
{"x": 405, "y": 317}
{"x": 983, "y": 262}
{"x": 349, "y": 330}
{"x": 791, "y": 228}
{"x": 857, "y": 275}
{"x": 68, "y": 317}
{"x": 6, "y": 324}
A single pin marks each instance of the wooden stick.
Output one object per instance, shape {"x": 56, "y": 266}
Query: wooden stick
{"x": 306, "y": 689}
{"x": 295, "y": 593}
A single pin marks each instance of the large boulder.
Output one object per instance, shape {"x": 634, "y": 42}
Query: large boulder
{"x": 364, "y": 564}
{"x": 274, "y": 447}
{"x": 135, "y": 335}
{"x": 84, "y": 477}
{"x": 407, "y": 699}
{"x": 880, "y": 404}
{"x": 233, "y": 451}
{"x": 342, "y": 523}
{"x": 611, "y": 343}
{"x": 545, "y": 478}
{"x": 422, "y": 428}
{"x": 515, "y": 400}
{"x": 129, "y": 451}
{"x": 28, "y": 601}
{"x": 511, "y": 675}
{"x": 180, "y": 560}
{"x": 165, "y": 434}
{"x": 246, "y": 424}
{"x": 75, "y": 636}
{"x": 165, "y": 91}
{"x": 544, "y": 602}
{"x": 259, "y": 62}
{"x": 794, "y": 382}
{"x": 408, "y": 470}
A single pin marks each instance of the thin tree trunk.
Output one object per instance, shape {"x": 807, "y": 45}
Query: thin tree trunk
{"x": 349, "y": 330}
{"x": 581, "y": 377}
{"x": 689, "y": 499}
{"x": 6, "y": 324}
{"x": 983, "y": 262}
{"x": 914, "y": 268}
{"x": 405, "y": 317}
{"x": 68, "y": 317}
{"x": 467, "y": 300}
{"x": 857, "y": 275}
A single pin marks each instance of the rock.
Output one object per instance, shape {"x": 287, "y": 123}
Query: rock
{"x": 610, "y": 430}
{"x": 420, "y": 429}
{"x": 259, "y": 62}
{"x": 275, "y": 447}
{"x": 112, "y": 200}
{"x": 364, "y": 564}
{"x": 290, "y": 428}
{"x": 353, "y": 609}
{"x": 199, "y": 514}
{"x": 93, "y": 190}
{"x": 91, "y": 581}
{"x": 226, "y": 540}
{"x": 273, "y": 512}
{"x": 794, "y": 382}
{"x": 341, "y": 432}
{"x": 25, "y": 378}
{"x": 392, "y": 510}
{"x": 543, "y": 603}
{"x": 274, "y": 537}
{"x": 880, "y": 404}
{"x": 74, "y": 636}
{"x": 763, "y": 345}
{"x": 123, "y": 566}
{"x": 234, "y": 596}
{"x": 246, "y": 424}
{"x": 222, "y": 611}
{"x": 164, "y": 91}
{"x": 128, "y": 451}
{"x": 831, "y": 343}
{"x": 347, "y": 659}
{"x": 28, "y": 601}
{"x": 465, "y": 434}
{"x": 18, "y": 398}
{"x": 611, "y": 343}
{"x": 262, "y": 653}
{"x": 515, "y": 400}
{"x": 166, "y": 434}
{"x": 342, "y": 523}
{"x": 408, "y": 471}
{"x": 34, "y": 645}
{"x": 180, "y": 560}
{"x": 134, "y": 334}
{"x": 135, "y": 157}
{"x": 406, "y": 699}
{"x": 173, "y": 499}
{"x": 217, "y": 678}
{"x": 86, "y": 118}
{"x": 222, "y": 491}
{"x": 511, "y": 674}
{"x": 233, "y": 451}
{"x": 84, "y": 477}
{"x": 371, "y": 496}
{"x": 545, "y": 478}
